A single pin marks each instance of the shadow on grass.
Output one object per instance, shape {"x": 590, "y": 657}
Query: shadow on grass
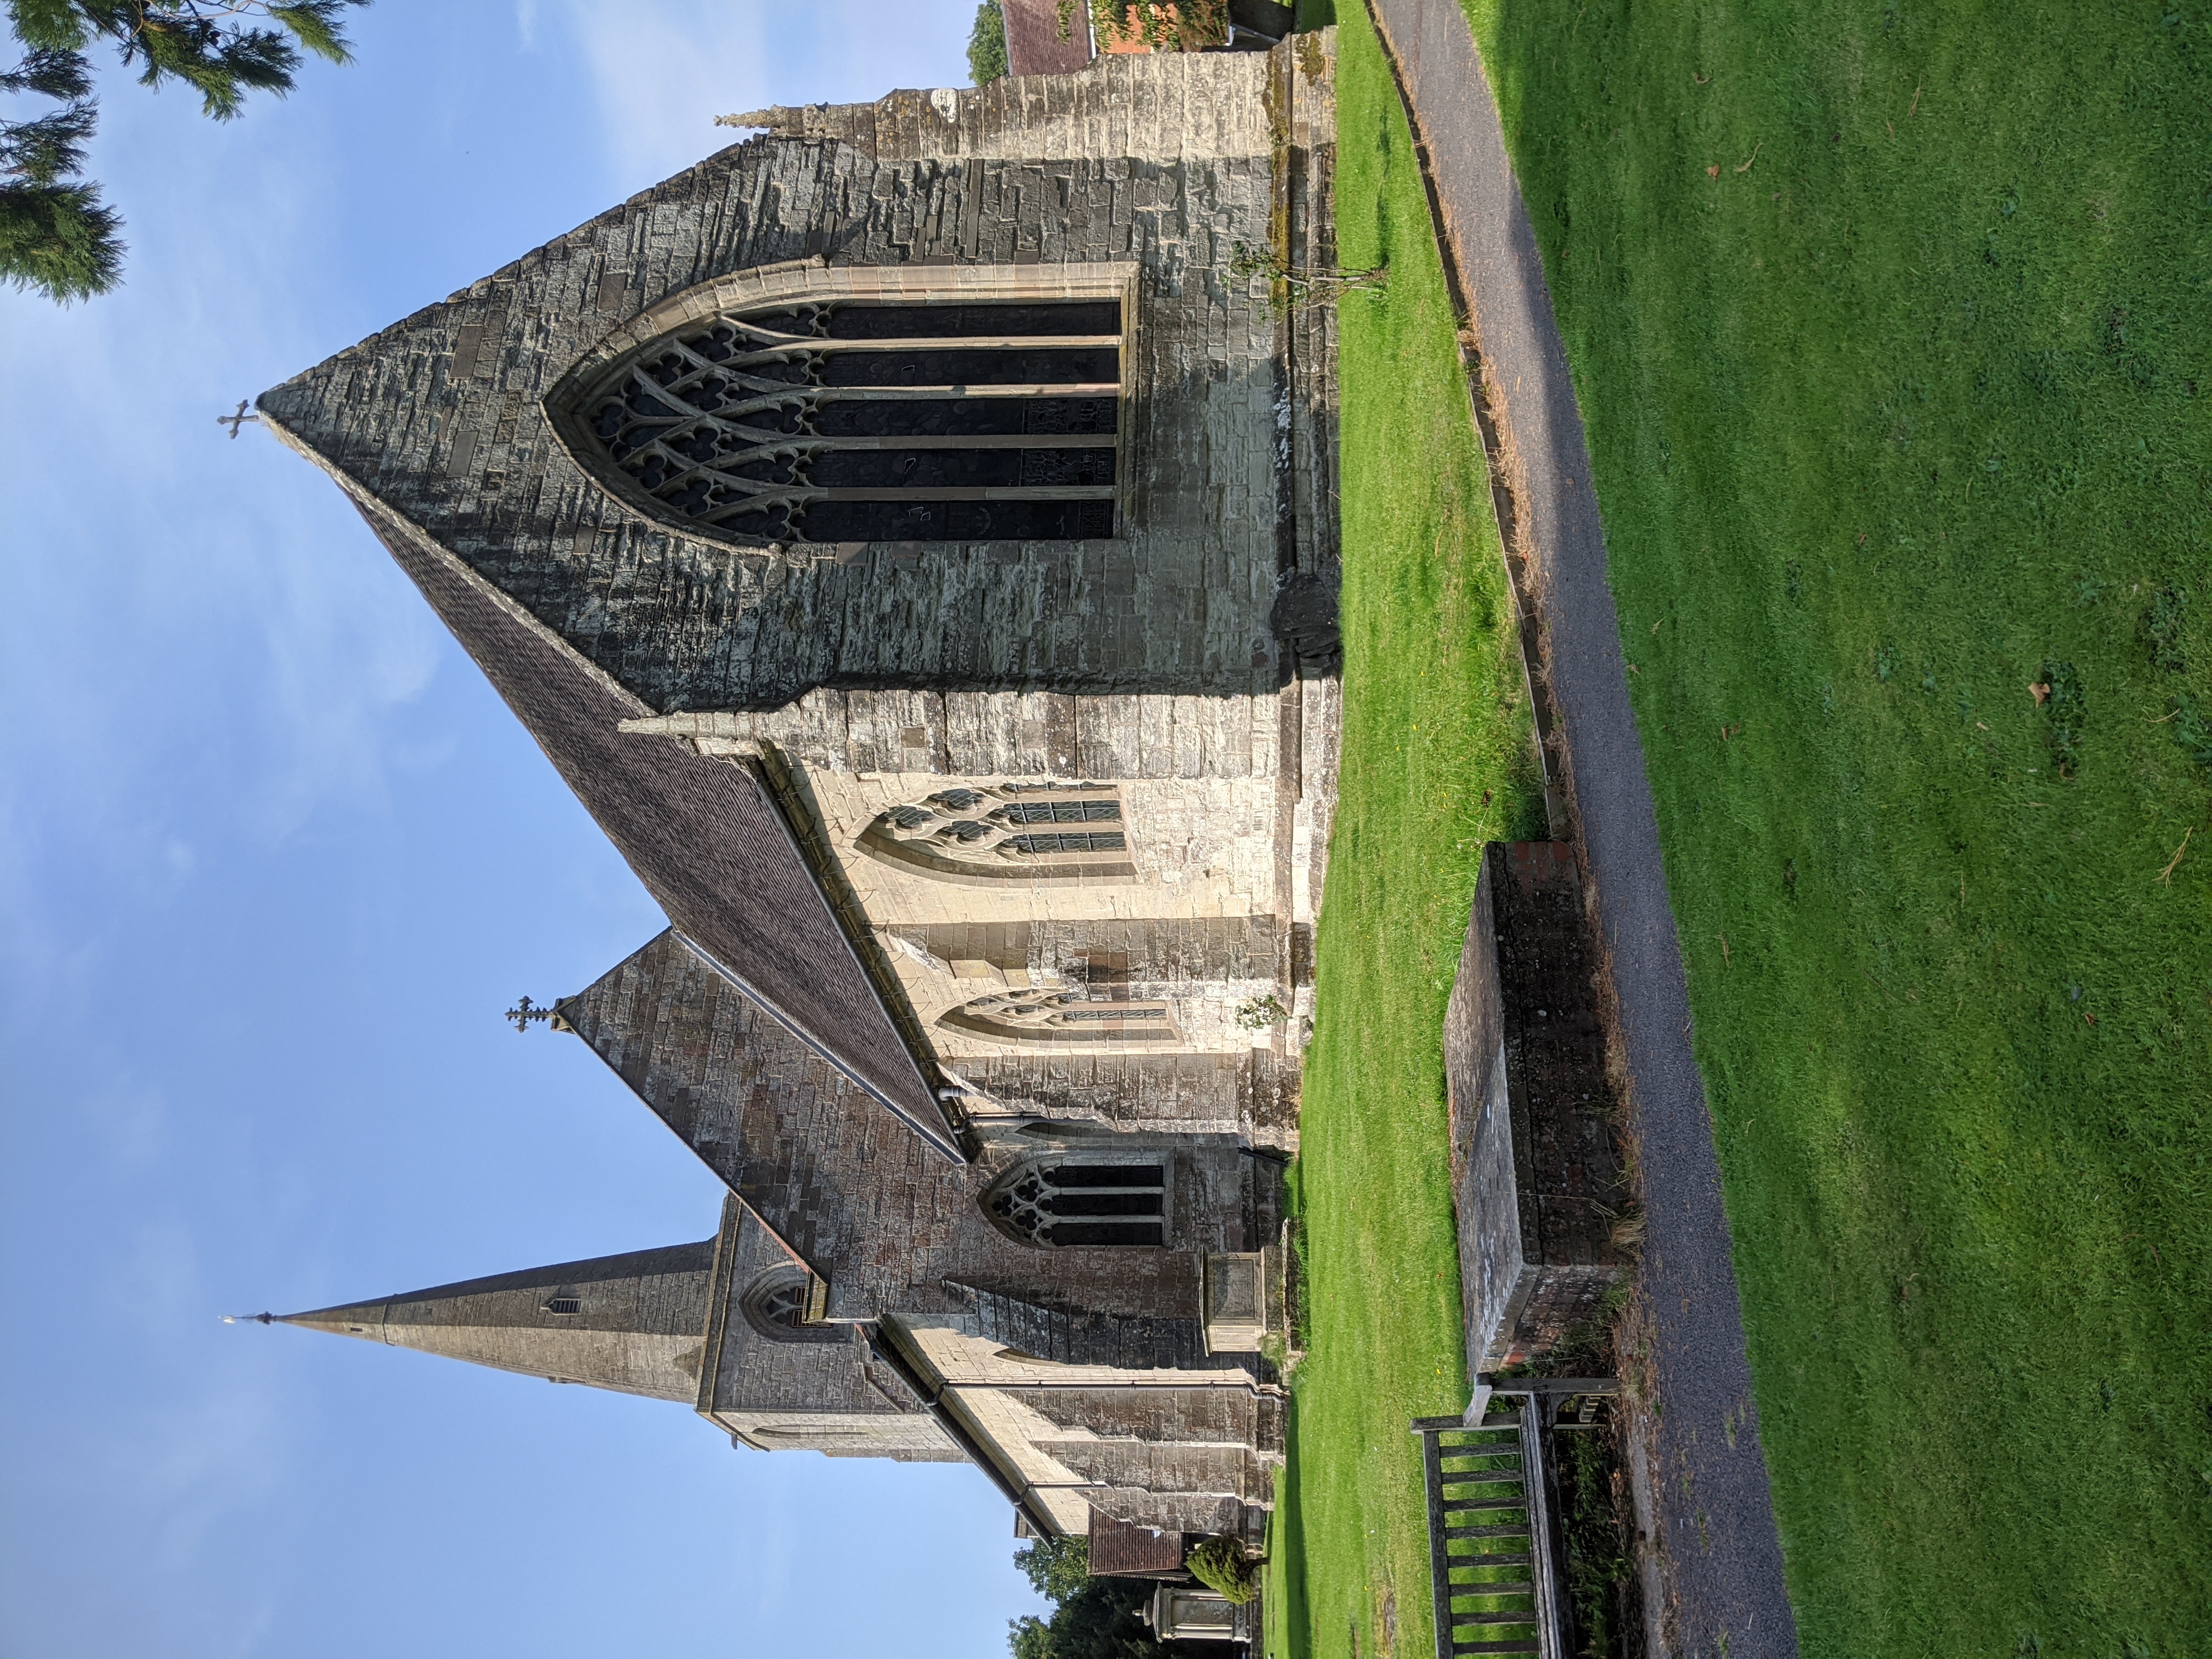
{"x": 1289, "y": 1622}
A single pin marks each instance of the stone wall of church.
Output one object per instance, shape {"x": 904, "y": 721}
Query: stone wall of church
{"x": 814, "y": 1389}
{"x": 1226, "y": 803}
{"x": 444, "y": 417}
{"x": 1158, "y": 656}
{"x": 1184, "y": 1450}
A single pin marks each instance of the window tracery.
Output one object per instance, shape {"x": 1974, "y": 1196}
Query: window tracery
{"x": 786, "y": 1304}
{"x": 1030, "y": 831}
{"x": 838, "y": 419}
{"x": 1059, "y": 1202}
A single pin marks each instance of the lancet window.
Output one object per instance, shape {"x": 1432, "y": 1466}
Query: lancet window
{"x": 1061, "y": 1016}
{"x": 1048, "y": 831}
{"x": 1080, "y": 1201}
{"x": 848, "y": 419}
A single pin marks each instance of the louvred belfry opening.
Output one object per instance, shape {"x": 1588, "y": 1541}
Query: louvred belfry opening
{"x": 847, "y": 420}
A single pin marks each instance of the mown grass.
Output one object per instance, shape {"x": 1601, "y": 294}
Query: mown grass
{"x": 1437, "y": 761}
{"x": 1892, "y": 325}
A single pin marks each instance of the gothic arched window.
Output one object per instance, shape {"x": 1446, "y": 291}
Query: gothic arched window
{"x": 1044, "y": 1016}
{"x": 855, "y": 418}
{"x": 1082, "y": 1201}
{"x": 785, "y": 1303}
{"x": 1030, "y": 831}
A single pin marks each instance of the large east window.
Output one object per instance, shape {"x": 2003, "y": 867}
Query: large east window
{"x": 836, "y": 419}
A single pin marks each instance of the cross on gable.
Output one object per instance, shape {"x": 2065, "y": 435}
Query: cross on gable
{"x": 525, "y": 1012}
{"x": 234, "y": 421}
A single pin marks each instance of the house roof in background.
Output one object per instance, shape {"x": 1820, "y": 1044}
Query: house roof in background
{"x": 1034, "y": 43}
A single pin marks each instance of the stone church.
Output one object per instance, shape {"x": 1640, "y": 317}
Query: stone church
{"x": 911, "y": 532}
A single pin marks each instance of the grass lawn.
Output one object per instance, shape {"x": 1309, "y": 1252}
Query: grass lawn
{"x": 1893, "y": 328}
{"x": 1437, "y": 762}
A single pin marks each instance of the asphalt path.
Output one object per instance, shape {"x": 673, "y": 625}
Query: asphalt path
{"x": 1720, "y": 1556}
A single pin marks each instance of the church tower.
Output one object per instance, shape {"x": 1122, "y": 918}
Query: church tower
{"x": 634, "y": 1322}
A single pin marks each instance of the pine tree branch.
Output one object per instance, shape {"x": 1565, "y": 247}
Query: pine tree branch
{"x": 56, "y": 235}
{"x": 48, "y": 149}
{"x": 58, "y": 239}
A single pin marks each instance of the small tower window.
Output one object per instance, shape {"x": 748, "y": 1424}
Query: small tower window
{"x": 563, "y": 1304}
{"x": 1082, "y": 1202}
{"x": 786, "y": 1305}
{"x": 857, "y": 420}
{"x": 787, "y": 1302}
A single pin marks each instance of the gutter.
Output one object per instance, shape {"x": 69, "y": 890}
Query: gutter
{"x": 1019, "y": 1494}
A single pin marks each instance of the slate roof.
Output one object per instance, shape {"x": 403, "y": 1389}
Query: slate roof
{"x": 842, "y": 1186}
{"x": 701, "y": 833}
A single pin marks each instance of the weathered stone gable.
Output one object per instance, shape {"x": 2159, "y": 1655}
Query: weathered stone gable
{"x": 891, "y": 1226}
{"x": 444, "y": 417}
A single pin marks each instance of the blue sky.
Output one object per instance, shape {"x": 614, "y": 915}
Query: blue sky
{"x": 273, "y": 858}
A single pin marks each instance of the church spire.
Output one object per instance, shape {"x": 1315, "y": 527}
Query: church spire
{"x": 635, "y": 1322}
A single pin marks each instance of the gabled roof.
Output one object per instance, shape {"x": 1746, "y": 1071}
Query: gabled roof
{"x": 701, "y": 832}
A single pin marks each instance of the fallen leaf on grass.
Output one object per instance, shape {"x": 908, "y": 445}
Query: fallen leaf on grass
{"x": 1714, "y": 171}
{"x": 2040, "y": 690}
{"x": 1754, "y": 156}
{"x": 2091, "y": 1018}
{"x": 1727, "y": 732}
{"x": 1702, "y": 80}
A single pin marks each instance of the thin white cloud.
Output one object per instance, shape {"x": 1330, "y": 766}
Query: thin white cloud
{"x": 661, "y": 75}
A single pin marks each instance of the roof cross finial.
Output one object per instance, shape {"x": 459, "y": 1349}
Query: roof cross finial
{"x": 248, "y": 1319}
{"x": 234, "y": 421}
{"x": 524, "y": 1011}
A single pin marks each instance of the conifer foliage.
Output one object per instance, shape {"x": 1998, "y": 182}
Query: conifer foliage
{"x": 56, "y": 235}
{"x": 1091, "y": 1617}
{"x": 986, "y": 44}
